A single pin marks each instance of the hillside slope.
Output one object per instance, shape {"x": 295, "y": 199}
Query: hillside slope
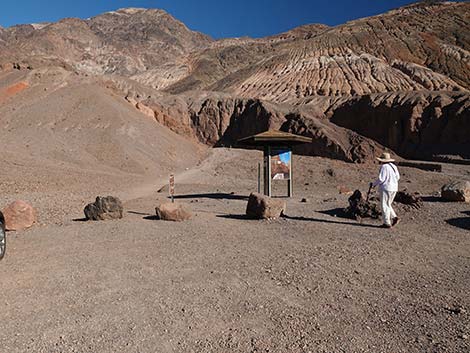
{"x": 399, "y": 80}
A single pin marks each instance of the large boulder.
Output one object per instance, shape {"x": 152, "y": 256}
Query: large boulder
{"x": 458, "y": 191}
{"x": 19, "y": 215}
{"x": 360, "y": 207}
{"x": 263, "y": 207}
{"x": 104, "y": 208}
{"x": 174, "y": 212}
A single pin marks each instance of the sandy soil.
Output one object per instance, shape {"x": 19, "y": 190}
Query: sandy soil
{"x": 310, "y": 282}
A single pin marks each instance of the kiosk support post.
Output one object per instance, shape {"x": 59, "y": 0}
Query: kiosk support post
{"x": 267, "y": 171}
{"x": 290, "y": 183}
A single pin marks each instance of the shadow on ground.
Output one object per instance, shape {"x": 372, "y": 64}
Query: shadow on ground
{"x": 215, "y": 196}
{"x": 235, "y": 216}
{"x": 151, "y": 218}
{"x": 336, "y": 212}
{"x": 311, "y": 219}
{"x": 461, "y": 222}
{"x": 432, "y": 199}
{"x": 139, "y": 213}
{"x": 243, "y": 217}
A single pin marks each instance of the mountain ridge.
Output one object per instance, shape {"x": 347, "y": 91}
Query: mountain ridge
{"x": 420, "y": 51}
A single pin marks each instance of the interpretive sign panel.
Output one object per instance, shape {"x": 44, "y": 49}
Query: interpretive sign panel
{"x": 281, "y": 164}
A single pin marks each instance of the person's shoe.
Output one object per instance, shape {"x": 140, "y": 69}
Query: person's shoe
{"x": 386, "y": 226}
{"x": 395, "y": 221}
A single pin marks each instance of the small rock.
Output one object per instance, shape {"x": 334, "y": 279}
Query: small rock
{"x": 173, "y": 212}
{"x": 455, "y": 310}
{"x": 104, "y": 208}
{"x": 19, "y": 215}
{"x": 304, "y": 200}
{"x": 263, "y": 207}
{"x": 330, "y": 172}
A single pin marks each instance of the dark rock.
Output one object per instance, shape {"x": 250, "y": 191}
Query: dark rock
{"x": 458, "y": 191}
{"x": 263, "y": 207}
{"x": 331, "y": 172}
{"x": 104, "y": 208}
{"x": 408, "y": 199}
{"x": 359, "y": 207}
{"x": 304, "y": 200}
{"x": 173, "y": 212}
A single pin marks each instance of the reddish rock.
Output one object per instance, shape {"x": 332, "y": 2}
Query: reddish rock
{"x": 263, "y": 207}
{"x": 174, "y": 212}
{"x": 19, "y": 215}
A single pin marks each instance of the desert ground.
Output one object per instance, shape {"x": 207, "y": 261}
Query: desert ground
{"x": 309, "y": 282}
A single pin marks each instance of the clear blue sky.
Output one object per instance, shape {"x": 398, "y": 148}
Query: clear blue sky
{"x": 218, "y": 18}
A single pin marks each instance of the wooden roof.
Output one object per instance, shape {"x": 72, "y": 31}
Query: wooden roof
{"x": 274, "y": 137}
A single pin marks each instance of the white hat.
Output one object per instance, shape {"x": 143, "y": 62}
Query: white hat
{"x": 385, "y": 158}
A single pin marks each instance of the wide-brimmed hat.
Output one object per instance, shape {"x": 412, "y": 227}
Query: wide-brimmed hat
{"x": 385, "y": 158}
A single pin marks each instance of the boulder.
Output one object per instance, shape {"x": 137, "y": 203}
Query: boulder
{"x": 408, "y": 199}
{"x": 263, "y": 207}
{"x": 359, "y": 207}
{"x": 458, "y": 191}
{"x": 19, "y": 215}
{"x": 174, "y": 212}
{"x": 104, "y": 208}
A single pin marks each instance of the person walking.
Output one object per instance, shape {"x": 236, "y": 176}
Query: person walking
{"x": 387, "y": 182}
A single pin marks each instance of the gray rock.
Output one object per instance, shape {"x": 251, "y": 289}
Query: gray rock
{"x": 104, "y": 208}
{"x": 458, "y": 191}
{"x": 263, "y": 207}
{"x": 174, "y": 212}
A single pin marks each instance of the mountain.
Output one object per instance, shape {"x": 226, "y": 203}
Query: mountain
{"x": 399, "y": 80}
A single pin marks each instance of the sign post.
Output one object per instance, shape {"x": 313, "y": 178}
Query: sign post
{"x": 172, "y": 187}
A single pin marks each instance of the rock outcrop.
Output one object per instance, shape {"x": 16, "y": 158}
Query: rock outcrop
{"x": 19, "y": 215}
{"x": 104, "y": 208}
{"x": 415, "y": 124}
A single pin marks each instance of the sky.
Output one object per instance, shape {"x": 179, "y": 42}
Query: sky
{"x": 217, "y": 18}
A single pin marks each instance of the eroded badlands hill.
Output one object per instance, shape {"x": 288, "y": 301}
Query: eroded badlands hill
{"x": 398, "y": 80}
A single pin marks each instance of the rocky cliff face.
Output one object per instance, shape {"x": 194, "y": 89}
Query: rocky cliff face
{"x": 412, "y": 124}
{"x": 399, "y": 80}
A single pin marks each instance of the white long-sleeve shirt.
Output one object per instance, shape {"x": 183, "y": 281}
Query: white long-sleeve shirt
{"x": 388, "y": 178}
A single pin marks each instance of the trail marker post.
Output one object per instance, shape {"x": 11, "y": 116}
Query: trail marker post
{"x": 171, "y": 188}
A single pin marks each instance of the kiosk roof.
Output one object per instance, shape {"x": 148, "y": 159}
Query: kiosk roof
{"x": 274, "y": 137}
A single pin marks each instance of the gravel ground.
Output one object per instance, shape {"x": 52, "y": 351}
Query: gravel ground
{"x": 310, "y": 282}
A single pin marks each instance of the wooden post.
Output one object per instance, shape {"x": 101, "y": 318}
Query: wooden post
{"x": 171, "y": 188}
{"x": 290, "y": 185}
{"x": 267, "y": 171}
